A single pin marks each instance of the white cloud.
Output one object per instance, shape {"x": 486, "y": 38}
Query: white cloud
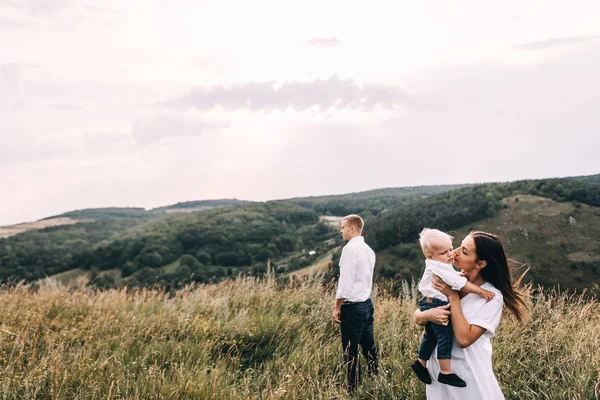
{"x": 57, "y": 14}
{"x": 333, "y": 93}
{"x": 262, "y": 107}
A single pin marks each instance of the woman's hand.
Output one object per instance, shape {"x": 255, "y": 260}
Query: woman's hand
{"x": 439, "y": 284}
{"x": 438, "y": 315}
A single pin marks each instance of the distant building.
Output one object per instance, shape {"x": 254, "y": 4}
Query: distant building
{"x": 330, "y": 242}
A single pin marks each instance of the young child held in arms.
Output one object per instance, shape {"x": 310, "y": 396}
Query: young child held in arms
{"x": 437, "y": 248}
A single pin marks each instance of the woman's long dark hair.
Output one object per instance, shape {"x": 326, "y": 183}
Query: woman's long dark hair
{"x": 497, "y": 272}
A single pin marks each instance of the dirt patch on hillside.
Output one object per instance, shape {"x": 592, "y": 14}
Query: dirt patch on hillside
{"x": 12, "y": 230}
{"x": 539, "y": 205}
{"x": 559, "y": 240}
{"x": 187, "y": 210}
{"x": 331, "y": 220}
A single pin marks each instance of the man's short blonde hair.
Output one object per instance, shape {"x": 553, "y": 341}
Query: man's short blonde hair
{"x": 429, "y": 237}
{"x": 355, "y": 221}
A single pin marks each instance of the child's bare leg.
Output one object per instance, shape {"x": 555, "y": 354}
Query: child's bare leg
{"x": 445, "y": 366}
{"x": 423, "y": 362}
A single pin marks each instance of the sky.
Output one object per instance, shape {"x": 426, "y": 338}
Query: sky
{"x": 147, "y": 103}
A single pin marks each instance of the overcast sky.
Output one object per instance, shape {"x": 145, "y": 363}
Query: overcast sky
{"x": 148, "y": 103}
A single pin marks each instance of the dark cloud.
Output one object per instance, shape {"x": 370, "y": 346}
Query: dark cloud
{"x": 332, "y": 93}
{"x": 169, "y": 126}
{"x": 555, "y": 42}
{"x": 324, "y": 42}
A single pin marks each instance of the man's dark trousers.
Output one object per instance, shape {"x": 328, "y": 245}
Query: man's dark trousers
{"x": 357, "y": 328}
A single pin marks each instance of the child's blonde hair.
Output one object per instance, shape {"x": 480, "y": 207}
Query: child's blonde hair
{"x": 428, "y": 237}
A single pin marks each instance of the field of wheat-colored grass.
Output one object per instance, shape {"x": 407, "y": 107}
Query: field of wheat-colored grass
{"x": 261, "y": 339}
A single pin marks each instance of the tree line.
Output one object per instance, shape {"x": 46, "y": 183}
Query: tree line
{"x": 206, "y": 245}
{"x": 222, "y": 242}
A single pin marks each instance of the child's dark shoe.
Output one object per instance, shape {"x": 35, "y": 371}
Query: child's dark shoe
{"x": 451, "y": 379}
{"x": 421, "y": 372}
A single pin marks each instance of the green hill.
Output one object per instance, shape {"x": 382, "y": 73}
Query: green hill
{"x": 201, "y": 205}
{"x": 589, "y": 178}
{"x": 107, "y": 213}
{"x": 210, "y": 245}
{"x": 370, "y": 202}
{"x": 37, "y": 253}
{"x": 231, "y": 236}
{"x": 451, "y": 210}
{"x": 113, "y": 241}
{"x": 172, "y": 248}
{"x": 558, "y": 240}
{"x": 536, "y": 227}
{"x": 138, "y": 212}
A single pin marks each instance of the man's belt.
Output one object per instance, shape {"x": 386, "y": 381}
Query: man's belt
{"x": 354, "y": 302}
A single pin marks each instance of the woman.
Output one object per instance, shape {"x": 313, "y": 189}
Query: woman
{"x": 482, "y": 259}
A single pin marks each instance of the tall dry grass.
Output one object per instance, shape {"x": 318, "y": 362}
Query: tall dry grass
{"x": 261, "y": 339}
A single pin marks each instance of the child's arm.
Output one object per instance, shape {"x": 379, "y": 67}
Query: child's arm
{"x": 472, "y": 288}
{"x": 447, "y": 274}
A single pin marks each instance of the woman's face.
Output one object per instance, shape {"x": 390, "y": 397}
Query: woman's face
{"x": 465, "y": 257}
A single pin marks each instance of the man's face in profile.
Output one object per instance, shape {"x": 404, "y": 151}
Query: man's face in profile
{"x": 346, "y": 230}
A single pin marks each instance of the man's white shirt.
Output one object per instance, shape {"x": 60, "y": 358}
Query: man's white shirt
{"x": 444, "y": 271}
{"x": 357, "y": 263}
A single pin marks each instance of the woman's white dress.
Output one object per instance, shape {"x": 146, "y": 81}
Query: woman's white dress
{"x": 474, "y": 363}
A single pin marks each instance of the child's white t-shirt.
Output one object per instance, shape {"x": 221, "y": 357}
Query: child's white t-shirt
{"x": 444, "y": 271}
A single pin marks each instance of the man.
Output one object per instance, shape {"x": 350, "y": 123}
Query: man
{"x": 353, "y": 307}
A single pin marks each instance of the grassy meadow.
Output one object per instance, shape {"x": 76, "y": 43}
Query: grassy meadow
{"x": 263, "y": 338}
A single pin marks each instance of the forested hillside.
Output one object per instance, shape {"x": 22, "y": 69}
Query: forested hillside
{"x": 212, "y": 240}
{"x": 38, "y": 253}
{"x": 204, "y": 243}
{"x": 451, "y": 210}
{"x": 210, "y": 245}
{"x": 550, "y": 225}
{"x": 559, "y": 241}
{"x": 370, "y": 202}
{"x": 138, "y": 212}
{"x": 200, "y": 246}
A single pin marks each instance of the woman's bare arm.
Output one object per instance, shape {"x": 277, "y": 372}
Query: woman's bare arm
{"x": 465, "y": 333}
